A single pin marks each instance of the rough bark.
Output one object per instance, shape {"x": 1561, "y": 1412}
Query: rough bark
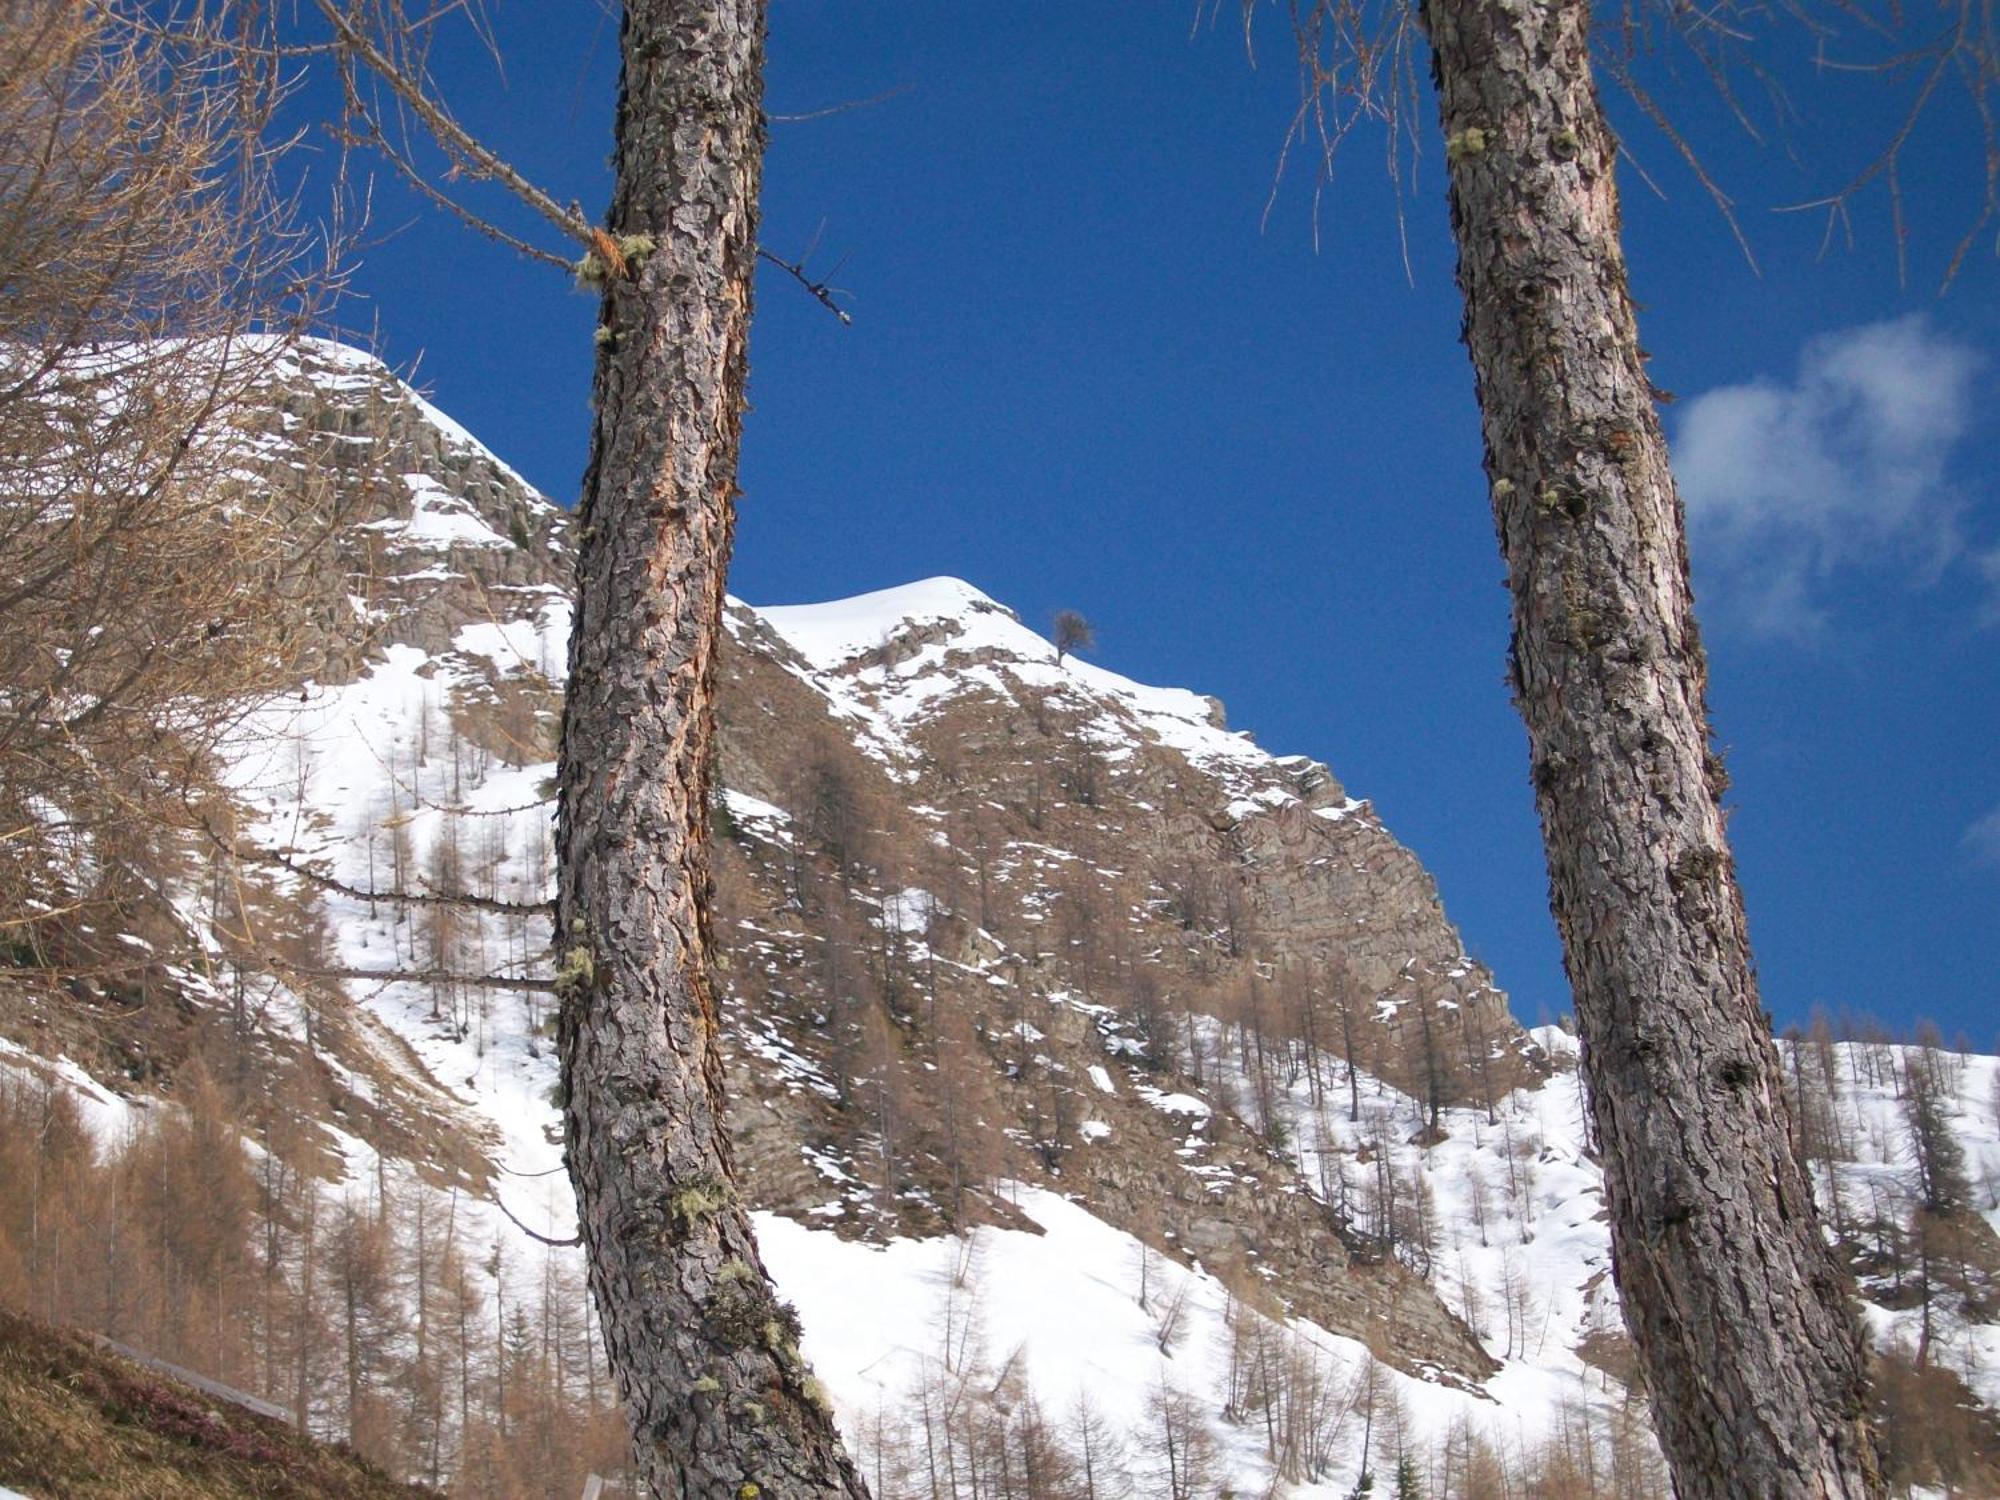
{"x": 705, "y": 1356}
{"x": 1740, "y": 1315}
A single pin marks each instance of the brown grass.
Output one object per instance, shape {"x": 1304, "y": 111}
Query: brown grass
{"x": 77, "y": 1423}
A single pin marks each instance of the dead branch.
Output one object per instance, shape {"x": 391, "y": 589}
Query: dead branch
{"x": 471, "y": 156}
{"x": 563, "y": 1244}
{"x": 821, "y": 293}
{"x": 521, "y": 983}
{"x": 459, "y": 899}
{"x": 840, "y": 109}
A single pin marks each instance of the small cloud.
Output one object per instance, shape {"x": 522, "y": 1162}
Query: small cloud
{"x": 1988, "y": 564}
{"x": 1847, "y": 467}
{"x": 1982, "y": 838}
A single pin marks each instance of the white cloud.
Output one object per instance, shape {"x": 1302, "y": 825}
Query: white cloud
{"x": 1988, "y": 563}
{"x": 1982, "y": 837}
{"x": 1846, "y": 467}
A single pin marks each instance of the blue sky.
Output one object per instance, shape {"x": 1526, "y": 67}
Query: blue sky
{"x": 1096, "y": 363}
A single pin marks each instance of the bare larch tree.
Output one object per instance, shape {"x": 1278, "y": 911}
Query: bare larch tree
{"x": 1754, "y": 1364}
{"x": 1072, "y": 632}
{"x": 706, "y": 1356}
{"x": 152, "y": 277}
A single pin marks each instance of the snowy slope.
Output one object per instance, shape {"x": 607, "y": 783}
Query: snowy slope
{"x": 887, "y": 660}
{"x": 1061, "y": 1306}
{"x": 1533, "y": 1283}
{"x": 334, "y": 768}
{"x": 375, "y": 780}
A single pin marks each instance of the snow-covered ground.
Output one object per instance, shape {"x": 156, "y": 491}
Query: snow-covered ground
{"x": 364, "y": 776}
{"x": 886, "y": 660}
{"x": 369, "y": 784}
{"x": 1062, "y": 1308}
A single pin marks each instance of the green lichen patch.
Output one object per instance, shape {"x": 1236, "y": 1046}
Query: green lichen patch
{"x": 1461, "y": 145}
{"x": 744, "y": 1314}
{"x": 700, "y": 1200}
{"x": 576, "y": 973}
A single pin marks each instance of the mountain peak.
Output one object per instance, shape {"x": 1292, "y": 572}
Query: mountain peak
{"x": 836, "y": 632}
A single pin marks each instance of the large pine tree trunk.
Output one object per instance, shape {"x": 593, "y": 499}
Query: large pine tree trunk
{"x": 1740, "y": 1315}
{"x": 705, "y": 1356}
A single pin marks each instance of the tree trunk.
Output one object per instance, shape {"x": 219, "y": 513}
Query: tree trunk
{"x": 705, "y": 1356}
{"x": 1754, "y": 1362}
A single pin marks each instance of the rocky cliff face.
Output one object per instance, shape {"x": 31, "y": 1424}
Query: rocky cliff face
{"x": 419, "y": 527}
{"x": 1117, "y": 899}
{"x": 984, "y": 912}
{"x": 997, "y": 927}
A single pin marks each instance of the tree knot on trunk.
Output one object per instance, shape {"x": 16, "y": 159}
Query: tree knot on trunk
{"x": 693, "y": 103}
{"x": 1737, "y": 1072}
{"x": 1716, "y": 770}
{"x": 1695, "y": 866}
{"x": 1676, "y": 1211}
{"x": 1548, "y": 771}
{"x": 1555, "y": 500}
{"x": 1590, "y": 625}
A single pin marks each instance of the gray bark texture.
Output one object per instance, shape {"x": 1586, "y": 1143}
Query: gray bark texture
{"x": 705, "y": 1355}
{"x": 1755, "y": 1364}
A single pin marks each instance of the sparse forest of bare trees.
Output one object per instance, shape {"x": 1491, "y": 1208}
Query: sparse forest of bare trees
{"x": 972, "y": 1424}
{"x": 1911, "y": 1236}
{"x": 388, "y": 1316}
{"x": 151, "y": 275}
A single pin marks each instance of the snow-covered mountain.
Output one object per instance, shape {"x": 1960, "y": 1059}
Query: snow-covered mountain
{"x": 1093, "y": 1066}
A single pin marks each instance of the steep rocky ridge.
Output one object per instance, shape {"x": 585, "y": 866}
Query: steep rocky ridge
{"x": 1124, "y": 865}
{"x": 430, "y": 528}
{"x": 1042, "y": 841}
{"x": 995, "y": 926}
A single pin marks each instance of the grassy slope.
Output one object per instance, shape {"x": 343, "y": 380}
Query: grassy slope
{"x": 77, "y": 1423}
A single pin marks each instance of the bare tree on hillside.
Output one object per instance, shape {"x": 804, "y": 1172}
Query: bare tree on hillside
{"x": 1184, "y": 1455}
{"x": 150, "y": 278}
{"x": 1072, "y": 633}
{"x": 1345, "y": 993}
{"x": 1937, "y": 1159}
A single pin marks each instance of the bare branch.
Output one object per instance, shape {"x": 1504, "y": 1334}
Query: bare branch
{"x": 563, "y": 1244}
{"x": 522, "y": 983}
{"x": 472, "y": 156}
{"x": 841, "y": 109}
{"x": 822, "y": 293}
{"x": 464, "y": 900}
{"x": 1723, "y": 204}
